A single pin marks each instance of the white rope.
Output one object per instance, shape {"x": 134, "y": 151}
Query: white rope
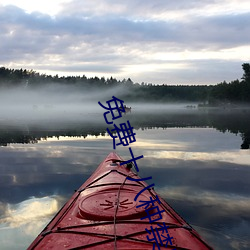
{"x": 116, "y": 209}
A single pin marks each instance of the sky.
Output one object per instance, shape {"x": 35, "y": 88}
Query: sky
{"x": 152, "y": 41}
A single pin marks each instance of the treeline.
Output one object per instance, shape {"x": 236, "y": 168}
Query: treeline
{"x": 237, "y": 91}
{"x": 234, "y": 92}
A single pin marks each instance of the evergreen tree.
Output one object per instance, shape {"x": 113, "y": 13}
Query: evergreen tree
{"x": 246, "y": 69}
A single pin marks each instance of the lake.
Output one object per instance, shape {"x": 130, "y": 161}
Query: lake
{"x": 199, "y": 160}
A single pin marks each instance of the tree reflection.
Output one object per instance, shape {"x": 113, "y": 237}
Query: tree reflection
{"x": 246, "y": 141}
{"x": 231, "y": 121}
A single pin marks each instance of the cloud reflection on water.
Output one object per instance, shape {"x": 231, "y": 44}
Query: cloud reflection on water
{"x": 226, "y": 216}
{"x": 22, "y": 222}
{"x": 207, "y": 184}
{"x": 29, "y": 210}
{"x": 236, "y": 156}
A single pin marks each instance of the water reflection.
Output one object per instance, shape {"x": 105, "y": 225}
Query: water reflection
{"x": 23, "y": 131}
{"x": 198, "y": 169}
{"x": 20, "y": 222}
{"x": 29, "y": 210}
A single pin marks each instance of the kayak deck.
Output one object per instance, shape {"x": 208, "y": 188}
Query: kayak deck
{"x": 103, "y": 213}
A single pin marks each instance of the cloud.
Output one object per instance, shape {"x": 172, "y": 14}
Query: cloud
{"x": 149, "y": 9}
{"x": 122, "y": 30}
{"x": 115, "y": 38}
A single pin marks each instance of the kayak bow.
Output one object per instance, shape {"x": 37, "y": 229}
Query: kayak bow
{"x": 103, "y": 213}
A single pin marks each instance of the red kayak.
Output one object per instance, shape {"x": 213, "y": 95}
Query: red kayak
{"x": 116, "y": 209}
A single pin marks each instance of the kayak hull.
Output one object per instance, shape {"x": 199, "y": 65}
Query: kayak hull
{"x": 103, "y": 213}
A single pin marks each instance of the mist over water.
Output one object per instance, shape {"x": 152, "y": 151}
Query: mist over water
{"x": 59, "y": 107}
{"x": 55, "y": 102}
{"x": 60, "y": 102}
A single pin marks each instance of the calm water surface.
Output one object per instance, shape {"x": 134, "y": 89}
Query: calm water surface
{"x": 194, "y": 157}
